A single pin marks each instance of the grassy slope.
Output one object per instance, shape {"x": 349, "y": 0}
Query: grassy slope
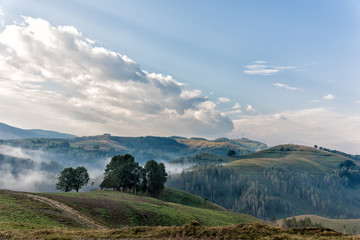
{"x": 19, "y": 212}
{"x": 299, "y": 158}
{"x": 184, "y": 198}
{"x": 116, "y": 209}
{"x": 349, "y": 226}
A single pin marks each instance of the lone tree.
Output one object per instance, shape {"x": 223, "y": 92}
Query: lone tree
{"x": 72, "y": 179}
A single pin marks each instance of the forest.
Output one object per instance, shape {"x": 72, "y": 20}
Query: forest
{"x": 279, "y": 191}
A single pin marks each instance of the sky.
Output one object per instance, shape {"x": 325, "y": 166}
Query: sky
{"x": 272, "y": 71}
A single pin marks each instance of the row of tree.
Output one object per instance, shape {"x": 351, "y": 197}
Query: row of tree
{"x": 123, "y": 173}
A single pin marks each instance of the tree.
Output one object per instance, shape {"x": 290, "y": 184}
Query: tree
{"x": 156, "y": 176}
{"x": 231, "y": 153}
{"x": 72, "y": 179}
{"x": 81, "y": 178}
{"x": 121, "y": 173}
{"x": 66, "y": 179}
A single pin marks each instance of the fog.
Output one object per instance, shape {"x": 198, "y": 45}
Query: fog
{"x": 21, "y": 176}
{"x": 30, "y": 177}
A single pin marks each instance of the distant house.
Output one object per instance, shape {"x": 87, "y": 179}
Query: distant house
{"x": 107, "y": 134}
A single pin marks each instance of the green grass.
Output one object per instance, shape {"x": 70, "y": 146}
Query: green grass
{"x": 299, "y": 158}
{"x": 184, "y": 198}
{"x": 19, "y": 212}
{"x": 116, "y": 209}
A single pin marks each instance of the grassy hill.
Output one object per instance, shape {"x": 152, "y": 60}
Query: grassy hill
{"x": 281, "y": 181}
{"x": 299, "y": 158}
{"x": 114, "y": 215}
{"x": 110, "y": 209}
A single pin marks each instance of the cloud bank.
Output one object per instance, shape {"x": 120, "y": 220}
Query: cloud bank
{"x": 55, "y": 78}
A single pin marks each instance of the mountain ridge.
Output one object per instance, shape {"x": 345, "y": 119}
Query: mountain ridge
{"x": 8, "y": 132}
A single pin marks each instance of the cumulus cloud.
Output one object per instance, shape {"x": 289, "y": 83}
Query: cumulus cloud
{"x": 2, "y": 21}
{"x": 262, "y": 68}
{"x": 236, "y": 106}
{"x": 60, "y": 80}
{"x": 320, "y": 126}
{"x": 223, "y": 100}
{"x": 285, "y": 86}
{"x": 250, "y": 108}
{"x": 329, "y": 97}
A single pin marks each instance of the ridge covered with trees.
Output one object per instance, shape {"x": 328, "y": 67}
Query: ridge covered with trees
{"x": 282, "y": 181}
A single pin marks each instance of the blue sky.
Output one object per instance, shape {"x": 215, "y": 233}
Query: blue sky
{"x": 274, "y": 71}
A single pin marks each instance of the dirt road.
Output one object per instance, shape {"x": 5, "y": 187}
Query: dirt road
{"x": 74, "y": 214}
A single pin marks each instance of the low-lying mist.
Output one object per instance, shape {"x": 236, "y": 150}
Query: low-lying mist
{"x": 32, "y": 171}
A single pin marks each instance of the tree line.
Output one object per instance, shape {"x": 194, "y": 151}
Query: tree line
{"x": 121, "y": 174}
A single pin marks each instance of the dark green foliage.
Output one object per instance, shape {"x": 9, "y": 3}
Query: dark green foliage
{"x": 156, "y": 176}
{"x": 81, "y": 178}
{"x": 123, "y": 173}
{"x": 347, "y": 174}
{"x": 231, "y": 153}
{"x": 66, "y": 179}
{"x": 72, "y": 179}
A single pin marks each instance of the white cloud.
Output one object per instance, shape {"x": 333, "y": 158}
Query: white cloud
{"x": 236, "y": 106}
{"x": 250, "y": 108}
{"x": 285, "y": 86}
{"x": 329, "y": 97}
{"x": 358, "y": 102}
{"x": 54, "y": 78}
{"x": 2, "y": 21}
{"x": 319, "y": 126}
{"x": 223, "y": 100}
{"x": 261, "y": 68}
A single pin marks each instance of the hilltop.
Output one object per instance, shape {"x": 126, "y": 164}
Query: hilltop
{"x": 281, "y": 181}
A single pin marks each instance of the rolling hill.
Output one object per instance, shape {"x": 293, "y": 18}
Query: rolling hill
{"x": 109, "y": 209}
{"x": 114, "y": 215}
{"x": 8, "y": 132}
{"x": 92, "y": 151}
{"x": 281, "y": 181}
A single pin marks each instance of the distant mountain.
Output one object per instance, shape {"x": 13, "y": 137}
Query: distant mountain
{"x": 8, "y": 132}
{"x": 94, "y": 150}
{"x": 281, "y": 181}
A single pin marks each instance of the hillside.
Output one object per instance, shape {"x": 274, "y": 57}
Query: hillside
{"x": 281, "y": 181}
{"x": 107, "y": 209}
{"x": 114, "y": 215}
{"x": 8, "y": 132}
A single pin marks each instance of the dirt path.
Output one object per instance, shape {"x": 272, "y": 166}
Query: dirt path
{"x": 66, "y": 210}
